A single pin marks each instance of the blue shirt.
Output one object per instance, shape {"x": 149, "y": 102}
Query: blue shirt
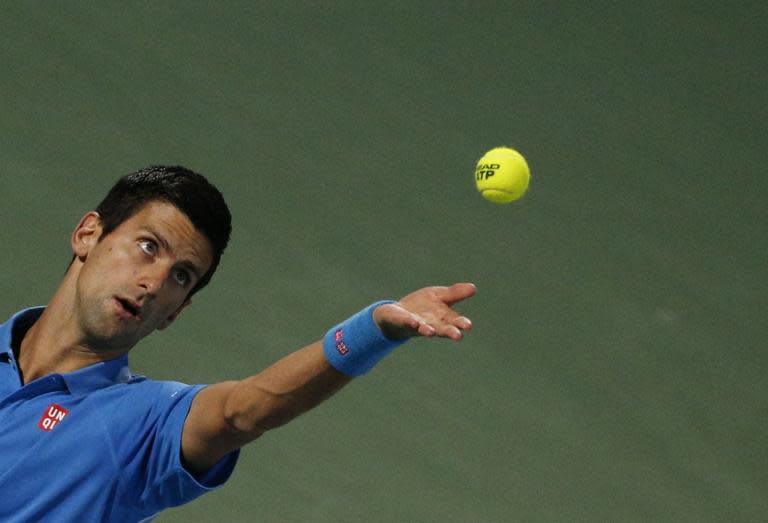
{"x": 98, "y": 444}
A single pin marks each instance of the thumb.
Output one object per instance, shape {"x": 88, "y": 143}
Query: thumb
{"x": 457, "y": 292}
{"x": 397, "y": 323}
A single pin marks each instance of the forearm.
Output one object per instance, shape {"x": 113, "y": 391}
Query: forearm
{"x": 291, "y": 386}
{"x": 230, "y": 414}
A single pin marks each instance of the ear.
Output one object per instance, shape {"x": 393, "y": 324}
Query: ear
{"x": 170, "y": 319}
{"x": 86, "y": 235}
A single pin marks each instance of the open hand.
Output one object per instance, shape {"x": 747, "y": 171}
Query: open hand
{"x": 426, "y": 312}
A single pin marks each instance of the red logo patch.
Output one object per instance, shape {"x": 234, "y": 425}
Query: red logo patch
{"x": 51, "y": 417}
{"x": 340, "y": 345}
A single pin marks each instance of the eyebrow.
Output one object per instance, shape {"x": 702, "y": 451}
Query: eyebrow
{"x": 159, "y": 237}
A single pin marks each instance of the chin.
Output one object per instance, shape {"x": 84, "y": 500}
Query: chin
{"x": 110, "y": 340}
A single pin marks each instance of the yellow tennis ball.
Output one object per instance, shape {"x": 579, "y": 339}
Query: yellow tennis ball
{"x": 502, "y": 175}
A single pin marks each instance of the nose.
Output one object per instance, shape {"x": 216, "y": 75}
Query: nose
{"x": 152, "y": 277}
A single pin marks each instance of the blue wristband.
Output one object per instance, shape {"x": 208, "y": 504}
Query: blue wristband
{"x": 356, "y": 345}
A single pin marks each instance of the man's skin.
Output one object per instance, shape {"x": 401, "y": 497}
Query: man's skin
{"x": 136, "y": 279}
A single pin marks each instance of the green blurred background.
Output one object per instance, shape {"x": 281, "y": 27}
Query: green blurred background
{"x": 617, "y": 369}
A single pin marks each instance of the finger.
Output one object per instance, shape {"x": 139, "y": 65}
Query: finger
{"x": 396, "y": 315}
{"x": 425, "y": 329}
{"x": 451, "y": 332}
{"x": 457, "y": 292}
{"x": 462, "y": 322}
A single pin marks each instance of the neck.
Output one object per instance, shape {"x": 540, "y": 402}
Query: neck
{"x": 55, "y": 344}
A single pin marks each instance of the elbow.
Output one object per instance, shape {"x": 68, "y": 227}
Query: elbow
{"x": 257, "y": 413}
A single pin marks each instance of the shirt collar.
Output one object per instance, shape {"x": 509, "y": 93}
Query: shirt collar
{"x": 28, "y": 316}
{"x": 92, "y": 377}
{"x": 98, "y": 375}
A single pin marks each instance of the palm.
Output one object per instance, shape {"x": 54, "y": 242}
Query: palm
{"x": 426, "y": 312}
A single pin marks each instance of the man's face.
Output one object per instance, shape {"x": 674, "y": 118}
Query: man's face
{"x": 138, "y": 277}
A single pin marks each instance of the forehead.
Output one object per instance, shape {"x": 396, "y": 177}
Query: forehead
{"x": 174, "y": 227}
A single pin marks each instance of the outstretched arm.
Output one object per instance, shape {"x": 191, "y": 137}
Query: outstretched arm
{"x": 225, "y": 416}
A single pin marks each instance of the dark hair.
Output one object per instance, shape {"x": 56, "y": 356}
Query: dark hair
{"x": 189, "y": 191}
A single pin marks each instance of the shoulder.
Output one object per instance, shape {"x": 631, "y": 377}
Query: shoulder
{"x": 139, "y": 390}
{"x": 138, "y": 384}
{"x": 141, "y": 402}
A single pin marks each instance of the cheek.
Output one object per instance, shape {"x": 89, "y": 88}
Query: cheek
{"x": 108, "y": 265}
{"x": 172, "y": 300}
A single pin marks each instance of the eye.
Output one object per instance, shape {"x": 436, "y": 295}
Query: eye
{"x": 181, "y": 277}
{"x": 148, "y": 246}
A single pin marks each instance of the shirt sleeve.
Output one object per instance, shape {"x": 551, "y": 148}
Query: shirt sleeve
{"x": 146, "y": 441}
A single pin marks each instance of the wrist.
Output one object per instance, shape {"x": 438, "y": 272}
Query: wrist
{"x": 357, "y": 344}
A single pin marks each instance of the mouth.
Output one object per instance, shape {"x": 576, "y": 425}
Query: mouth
{"x": 128, "y": 308}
